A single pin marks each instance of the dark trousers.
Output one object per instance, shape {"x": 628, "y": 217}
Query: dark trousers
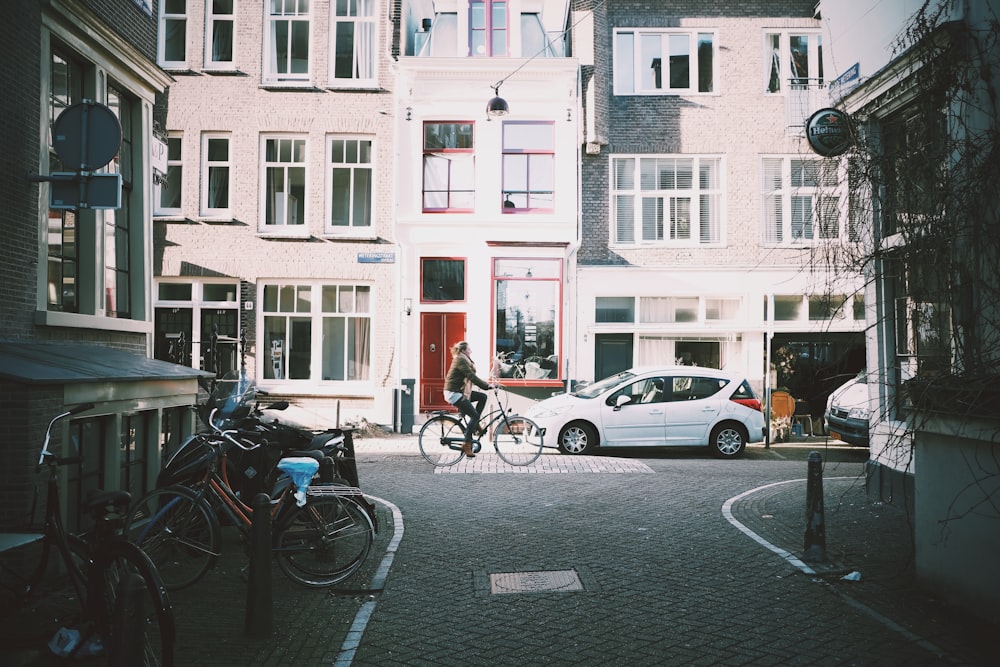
{"x": 466, "y": 407}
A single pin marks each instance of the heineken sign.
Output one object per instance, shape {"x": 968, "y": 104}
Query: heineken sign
{"x": 828, "y": 132}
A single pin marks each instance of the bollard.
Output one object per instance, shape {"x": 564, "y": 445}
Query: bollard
{"x": 815, "y": 542}
{"x": 128, "y": 632}
{"x": 259, "y": 611}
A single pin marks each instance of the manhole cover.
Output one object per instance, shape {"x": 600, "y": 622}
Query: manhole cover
{"x": 563, "y": 581}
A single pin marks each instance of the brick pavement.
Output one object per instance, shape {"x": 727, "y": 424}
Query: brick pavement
{"x": 664, "y": 577}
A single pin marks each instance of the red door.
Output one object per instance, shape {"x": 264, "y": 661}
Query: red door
{"x": 438, "y": 332}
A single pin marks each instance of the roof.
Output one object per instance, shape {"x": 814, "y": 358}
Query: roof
{"x": 52, "y": 363}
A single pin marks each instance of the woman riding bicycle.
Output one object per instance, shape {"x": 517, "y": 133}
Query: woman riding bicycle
{"x": 458, "y": 391}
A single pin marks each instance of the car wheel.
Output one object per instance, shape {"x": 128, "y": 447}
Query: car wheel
{"x": 577, "y": 438}
{"x": 728, "y": 441}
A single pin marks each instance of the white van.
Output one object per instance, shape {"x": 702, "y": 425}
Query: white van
{"x": 848, "y": 411}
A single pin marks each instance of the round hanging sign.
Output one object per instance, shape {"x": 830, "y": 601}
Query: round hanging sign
{"x": 86, "y": 136}
{"x": 828, "y": 132}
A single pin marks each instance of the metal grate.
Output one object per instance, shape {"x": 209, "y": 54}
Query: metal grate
{"x": 559, "y": 581}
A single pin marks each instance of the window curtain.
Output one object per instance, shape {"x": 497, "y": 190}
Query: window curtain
{"x": 222, "y": 41}
{"x": 218, "y": 187}
{"x": 364, "y": 41}
{"x": 359, "y": 348}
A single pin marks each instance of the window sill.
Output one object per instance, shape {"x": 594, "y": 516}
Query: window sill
{"x": 176, "y": 219}
{"x": 367, "y": 235}
{"x": 290, "y": 87}
{"x": 221, "y": 220}
{"x": 224, "y": 72}
{"x": 81, "y": 321}
{"x": 289, "y": 236}
{"x": 366, "y": 87}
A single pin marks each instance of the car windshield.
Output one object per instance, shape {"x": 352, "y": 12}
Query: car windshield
{"x": 598, "y": 388}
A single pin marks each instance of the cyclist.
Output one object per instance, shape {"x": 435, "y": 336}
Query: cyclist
{"x": 458, "y": 391}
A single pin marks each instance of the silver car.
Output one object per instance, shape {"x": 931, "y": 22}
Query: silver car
{"x": 667, "y": 406}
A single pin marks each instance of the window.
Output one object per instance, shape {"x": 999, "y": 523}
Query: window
{"x": 827, "y": 306}
{"x": 215, "y": 184}
{"x": 65, "y": 89}
{"x": 197, "y": 324}
{"x": 527, "y": 294}
{"x": 449, "y": 167}
{"x": 722, "y": 309}
{"x": 118, "y": 236}
{"x": 220, "y": 21}
{"x": 488, "y": 27}
{"x": 792, "y": 61}
{"x": 615, "y": 309}
{"x": 168, "y": 196}
{"x": 661, "y": 309}
{"x": 658, "y": 62}
{"x": 802, "y": 202}
{"x": 666, "y": 200}
{"x": 287, "y": 41}
{"x": 337, "y": 317}
{"x": 351, "y": 196}
{"x": 94, "y": 257}
{"x": 173, "y": 34}
{"x": 284, "y": 184}
{"x": 528, "y": 166}
{"x": 442, "y": 279}
{"x": 353, "y": 43}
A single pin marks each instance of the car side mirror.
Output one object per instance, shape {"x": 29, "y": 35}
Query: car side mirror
{"x": 622, "y": 400}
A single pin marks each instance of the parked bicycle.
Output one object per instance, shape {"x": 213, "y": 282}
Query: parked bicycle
{"x": 320, "y": 543}
{"x": 516, "y": 439}
{"x": 126, "y": 617}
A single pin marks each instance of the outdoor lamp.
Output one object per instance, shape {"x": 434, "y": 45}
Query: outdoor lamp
{"x": 498, "y": 105}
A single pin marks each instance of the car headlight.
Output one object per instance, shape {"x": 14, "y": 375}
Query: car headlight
{"x": 858, "y": 413}
{"x": 546, "y": 413}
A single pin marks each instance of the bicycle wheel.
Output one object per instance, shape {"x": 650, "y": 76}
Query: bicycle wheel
{"x": 179, "y": 531}
{"x": 324, "y": 542}
{"x": 148, "y": 609}
{"x": 440, "y": 440}
{"x": 518, "y": 440}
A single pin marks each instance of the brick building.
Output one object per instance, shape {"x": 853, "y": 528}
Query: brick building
{"x": 75, "y": 266}
{"x": 273, "y": 221}
{"x": 707, "y": 221}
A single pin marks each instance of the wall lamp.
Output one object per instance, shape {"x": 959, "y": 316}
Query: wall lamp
{"x": 498, "y": 105}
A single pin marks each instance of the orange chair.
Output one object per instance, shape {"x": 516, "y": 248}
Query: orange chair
{"x": 782, "y": 410}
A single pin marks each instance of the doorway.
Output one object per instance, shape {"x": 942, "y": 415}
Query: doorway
{"x": 438, "y": 332}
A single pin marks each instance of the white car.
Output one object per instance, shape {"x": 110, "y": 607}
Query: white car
{"x": 655, "y": 407}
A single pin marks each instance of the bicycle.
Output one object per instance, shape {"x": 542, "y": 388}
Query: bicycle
{"x": 318, "y": 544}
{"x": 516, "y": 439}
{"x": 120, "y": 614}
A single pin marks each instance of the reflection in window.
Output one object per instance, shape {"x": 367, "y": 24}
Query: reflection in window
{"x": 442, "y": 279}
{"x": 449, "y": 174}
{"x": 526, "y": 300}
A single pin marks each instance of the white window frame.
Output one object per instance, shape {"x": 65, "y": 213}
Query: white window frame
{"x": 308, "y": 303}
{"x": 629, "y": 69}
{"x": 813, "y": 76}
{"x": 784, "y": 196}
{"x": 365, "y": 40}
{"x": 161, "y": 42}
{"x": 281, "y": 226}
{"x": 207, "y": 166}
{"x": 290, "y": 12}
{"x": 353, "y": 168}
{"x": 211, "y": 19}
{"x": 706, "y": 227}
{"x": 175, "y": 163}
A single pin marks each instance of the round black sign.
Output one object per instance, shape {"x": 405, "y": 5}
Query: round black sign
{"x": 86, "y": 136}
{"x": 828, "y": 132}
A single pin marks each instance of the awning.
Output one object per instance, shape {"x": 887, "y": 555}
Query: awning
{"x": 54, "y": 363}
